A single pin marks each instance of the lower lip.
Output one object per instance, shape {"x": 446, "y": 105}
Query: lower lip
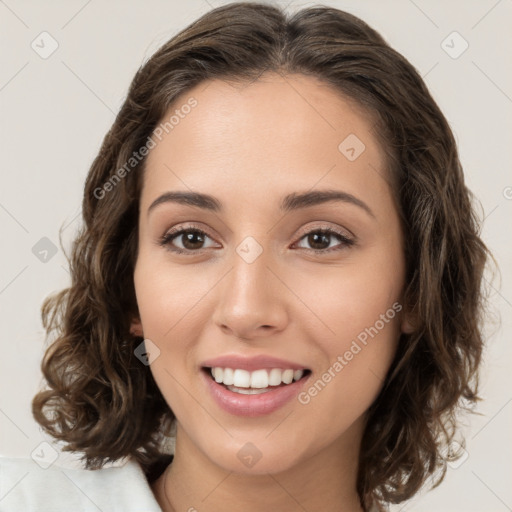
{"x": 252, "y": 405}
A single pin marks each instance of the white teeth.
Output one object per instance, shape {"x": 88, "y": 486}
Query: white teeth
{"x": 253, "y": 381}
{"x": 218, "y": 374}
{"x": 259, "y": 379}
{"x": 287, "y": 376}
{"x": 248, "y": 391}
{"x": 228, "y": 377}
{"x": 275, "y": 377}
{"x": 241, "y": 378}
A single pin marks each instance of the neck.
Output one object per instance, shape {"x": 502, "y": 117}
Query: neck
{"x": 325, "y": 481}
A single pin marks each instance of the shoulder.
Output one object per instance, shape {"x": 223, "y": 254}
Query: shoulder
{"x": 24, "y": 485}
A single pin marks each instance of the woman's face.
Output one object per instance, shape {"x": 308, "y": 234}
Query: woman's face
{"x": 264, "y": 289}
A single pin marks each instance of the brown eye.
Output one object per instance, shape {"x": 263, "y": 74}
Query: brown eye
{"x": 320, "y": 240}
{"x": 191, "y": 239}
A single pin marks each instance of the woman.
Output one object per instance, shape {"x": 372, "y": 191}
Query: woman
{"x": 280, "y": 264}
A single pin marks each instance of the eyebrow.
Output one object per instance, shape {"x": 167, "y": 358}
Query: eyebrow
{"x": 290, "y": 202}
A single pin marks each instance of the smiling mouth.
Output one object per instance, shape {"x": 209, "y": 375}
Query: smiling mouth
{"x": 256, "y": 382}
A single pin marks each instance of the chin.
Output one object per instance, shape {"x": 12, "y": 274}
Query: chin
{"x": 250, "y": 460}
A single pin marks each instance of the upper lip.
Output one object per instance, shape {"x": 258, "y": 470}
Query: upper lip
{"x": 251, "y": 363}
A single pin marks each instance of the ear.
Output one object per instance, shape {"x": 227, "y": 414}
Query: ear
{"x": 136, "y": 327}
{"x": 407, "y": 324}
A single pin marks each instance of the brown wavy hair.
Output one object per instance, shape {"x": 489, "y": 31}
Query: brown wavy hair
{"x": 102, "y": 402}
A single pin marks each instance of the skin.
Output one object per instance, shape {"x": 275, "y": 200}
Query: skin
{"x": 249, "y": 145}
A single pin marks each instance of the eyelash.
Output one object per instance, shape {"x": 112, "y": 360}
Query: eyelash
{"x": 165, "y": 241}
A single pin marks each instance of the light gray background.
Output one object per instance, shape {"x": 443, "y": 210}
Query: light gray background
{"x": 54, "y": 113}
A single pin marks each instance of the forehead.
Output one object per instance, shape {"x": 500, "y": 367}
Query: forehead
{"x": 274, "y": 135}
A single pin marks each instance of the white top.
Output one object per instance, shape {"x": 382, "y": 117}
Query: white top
{"x": 26, "y": 487}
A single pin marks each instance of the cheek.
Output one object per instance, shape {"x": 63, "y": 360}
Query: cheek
{"x": 354, "y": 297}
{"x": 360, "y": 312}
{"x": 171, "y": 303}
{"x": 358, "y": 359}
{"x": 168, "y": 297}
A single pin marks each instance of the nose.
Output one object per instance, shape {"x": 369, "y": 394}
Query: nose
{"x": 252, "y": 301}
